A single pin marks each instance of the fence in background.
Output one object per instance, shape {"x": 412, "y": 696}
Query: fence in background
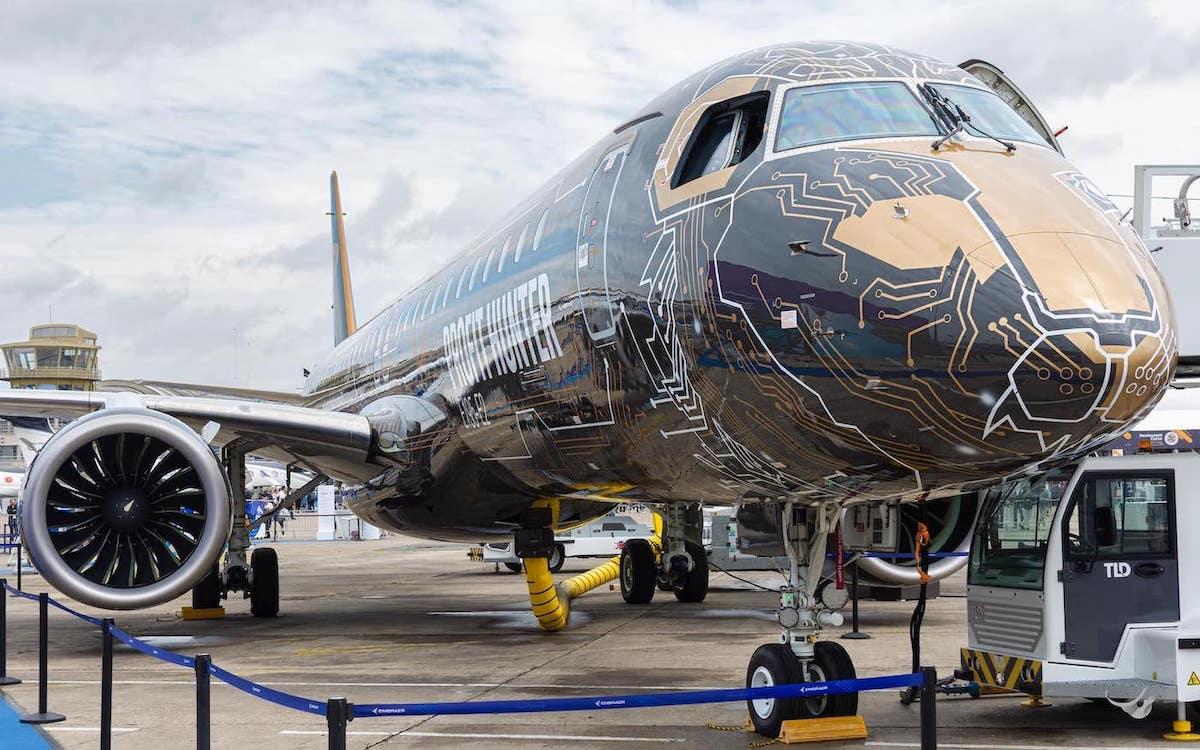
{"x": 306, "y": 526}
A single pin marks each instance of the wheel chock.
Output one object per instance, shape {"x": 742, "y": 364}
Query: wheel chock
{"x": 1035, "y": 701}
{"x": 795, "y": 731}
{"x": 204, "y": 613}
{"x": 1181, "y": 731}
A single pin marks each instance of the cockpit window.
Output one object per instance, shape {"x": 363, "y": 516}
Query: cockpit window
{"x": 728, "y": 133}
{"x": 989, "y": 113}
{"x": 848, "y": 111}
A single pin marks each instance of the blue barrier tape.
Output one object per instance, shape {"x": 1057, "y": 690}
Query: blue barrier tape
{"x": 157, "y": 653}
{"x": 87, "y": 618}
{"x": 22, "y": 594}
{"x": 274, "y": 696}
{"x": 645, "y": 700}
{"x": 591, "y": 703}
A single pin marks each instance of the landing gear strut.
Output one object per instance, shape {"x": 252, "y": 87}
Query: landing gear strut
{"x": 799, "y": 656}
{"x": 258, "y": 577}
{"x": 674, "y": 561}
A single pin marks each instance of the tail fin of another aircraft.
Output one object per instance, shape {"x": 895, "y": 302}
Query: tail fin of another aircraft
{"x": 344, "y": 323}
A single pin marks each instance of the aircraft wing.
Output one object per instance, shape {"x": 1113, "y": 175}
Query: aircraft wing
{"x": 335, "y": 443}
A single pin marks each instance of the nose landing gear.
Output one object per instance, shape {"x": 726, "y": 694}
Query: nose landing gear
{"x": 799, "y": 657}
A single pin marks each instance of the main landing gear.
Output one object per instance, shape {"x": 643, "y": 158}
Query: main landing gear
{"x": 673, "y": 561}
{"x": 799, "y": 656}
{"x": 258, "y": 578}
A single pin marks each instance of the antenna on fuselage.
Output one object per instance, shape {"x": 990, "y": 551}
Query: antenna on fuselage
{"x": 344, "y": 322}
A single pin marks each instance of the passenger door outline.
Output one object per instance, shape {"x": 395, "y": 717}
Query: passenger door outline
{"x": 591, "y": 245}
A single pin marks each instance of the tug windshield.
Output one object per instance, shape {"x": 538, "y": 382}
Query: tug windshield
{"x": 1009, "y": 547}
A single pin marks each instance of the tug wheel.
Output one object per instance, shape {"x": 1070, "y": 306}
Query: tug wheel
{"x": 514, "y": 567}
{"x": 695, "y": 581}
{"x": 264, "y": 589}
{"x": 639, "y": 571}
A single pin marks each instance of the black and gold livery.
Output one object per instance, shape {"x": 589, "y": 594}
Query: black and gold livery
{"x": 769, "y": 283}
{"x": 820, "y": 273}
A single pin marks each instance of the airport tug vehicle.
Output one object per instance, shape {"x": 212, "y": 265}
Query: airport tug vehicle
{"x": 1074, "y": 584}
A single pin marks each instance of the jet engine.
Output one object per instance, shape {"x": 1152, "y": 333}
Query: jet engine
{"x": 125, "y": 508}
{"x": 950, "y": 522}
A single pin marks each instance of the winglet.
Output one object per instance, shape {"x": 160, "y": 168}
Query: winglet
{"x": 344, "y": 323}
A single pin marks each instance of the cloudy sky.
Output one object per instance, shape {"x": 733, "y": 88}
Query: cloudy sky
{"x": 165, "y": 164}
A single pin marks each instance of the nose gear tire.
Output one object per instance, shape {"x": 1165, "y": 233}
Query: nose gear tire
{"x": 776, "y": 664}
{"x": 264, "y": 593}
{"x": 773, "y": 664}
{"x": 836, "y": 664}
{"x": 639, "y": 572}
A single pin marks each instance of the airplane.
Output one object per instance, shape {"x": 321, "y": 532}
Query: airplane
{"x": 812, "y": 278}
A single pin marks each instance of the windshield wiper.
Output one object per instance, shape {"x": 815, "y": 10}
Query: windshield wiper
{"x": 953, "y": 115}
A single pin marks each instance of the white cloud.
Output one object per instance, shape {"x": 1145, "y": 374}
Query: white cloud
{"x": 167, "y": 162}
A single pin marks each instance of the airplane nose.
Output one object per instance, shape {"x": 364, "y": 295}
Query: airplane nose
{"x": 1087, "y": 333}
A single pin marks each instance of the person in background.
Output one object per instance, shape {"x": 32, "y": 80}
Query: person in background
{"x": 11, "y": 527}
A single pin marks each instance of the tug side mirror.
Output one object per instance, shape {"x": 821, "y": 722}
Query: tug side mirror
{"x": 1104, "y": 524}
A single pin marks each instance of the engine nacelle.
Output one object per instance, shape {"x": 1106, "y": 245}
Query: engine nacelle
{"x": 125, "y": 508}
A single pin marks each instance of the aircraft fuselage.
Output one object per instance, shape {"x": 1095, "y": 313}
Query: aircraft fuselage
{"x": 803, "y": 308}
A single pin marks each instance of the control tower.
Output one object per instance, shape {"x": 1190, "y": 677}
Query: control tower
{"x": 57, "y": 356}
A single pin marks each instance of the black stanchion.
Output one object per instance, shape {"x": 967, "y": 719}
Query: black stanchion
{"x": 203, "y": 705}
{"x": 106, "y": 683}
{"x": 928, "y": 708}
{"x": 43, "y": 715}
{"x": 337, "y": 713}
{"x": 4, "y": 678}
{"x": 854, "y": 634}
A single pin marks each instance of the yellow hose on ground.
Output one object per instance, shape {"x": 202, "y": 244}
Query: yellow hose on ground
{"x": 552, "y": 604}
{"x": 549, "y": 608}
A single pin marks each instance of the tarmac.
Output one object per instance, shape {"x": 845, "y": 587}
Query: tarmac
{"x": 400, "y": 620}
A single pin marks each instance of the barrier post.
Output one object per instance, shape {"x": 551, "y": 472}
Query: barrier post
{"x": 106, "y": 683}
{"x": 928, "y": 708}
{"x": 43, "y": 715}
{"x": 337, "y": 712}
{"x": 4, "y": 678}
{"x": 854, "y": 634}
{"x": 203, "y": 706}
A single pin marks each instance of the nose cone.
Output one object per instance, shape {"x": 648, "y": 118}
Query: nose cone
{"x": 1030, "y": 321}
{"x": 1086, "y": 326}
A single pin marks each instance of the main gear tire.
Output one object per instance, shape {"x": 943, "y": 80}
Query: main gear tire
{"x": 639, "y": 572}
{"x": 264, "y": 587}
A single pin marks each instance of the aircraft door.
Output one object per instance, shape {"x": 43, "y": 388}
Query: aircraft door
{"x": 1119, "y": 564}
{"x": 592, "y": 245}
